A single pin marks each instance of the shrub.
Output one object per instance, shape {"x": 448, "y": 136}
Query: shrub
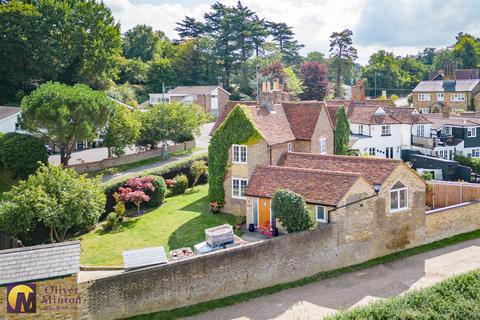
{"x": 473, "y": 163}
{"x": 427, "y": 175}
{"x": 180, "y": 185}
{"x": 20, "y": 154}
{"x": 111, "y": 221}
{"x": 198, "y": 169}
{"x": 158, "y": 195}
{"x": 290, "y": 208}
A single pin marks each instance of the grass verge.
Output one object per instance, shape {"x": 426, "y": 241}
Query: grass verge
{"x": 231, "y": 300}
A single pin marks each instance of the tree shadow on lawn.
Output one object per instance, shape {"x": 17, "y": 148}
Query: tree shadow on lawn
{"x": 122, "y": 226}
{"x": 193, "y": 231}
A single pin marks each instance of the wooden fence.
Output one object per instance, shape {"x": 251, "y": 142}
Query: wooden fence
{"x": 441, "y": 194}
{"x": 7, "y": 242}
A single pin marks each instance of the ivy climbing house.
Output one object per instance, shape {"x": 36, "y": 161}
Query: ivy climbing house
{"x": 256, "y": 133}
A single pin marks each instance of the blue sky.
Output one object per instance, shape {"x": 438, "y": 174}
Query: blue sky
{"x": 401, "y": 26}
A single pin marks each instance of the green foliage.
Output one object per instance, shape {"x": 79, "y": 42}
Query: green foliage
{"x": 291, "y": 210}
{"x": 198, "y": 169}
{"x": 342, "y": 132}
{"x": 455, "y": 298}
{"x": 122, "y": 130}
{"x": 236, "y": 129}
{"x": 21, "y": 154}
{"x": 141, "y": 42}
{"x": 467, "y": 51}
{"x": 125, "y": 93}
{"x": 64, "y": 114}
{"x": 67, "y": 41}
{"x": 58, "y": 198}
{"x": 111, "y": 221}
{"x": 343, "y": 52}
{"x": 473, "y": 163}
{"x": 427, "y": 176}
{"x": 294, "y": 85}
{"x": 158, "y": 196}
{"x": 133, "y": 71}
{"x": 161, "y": 72}
{"x": 172, "y": 121}
{"x": 180, "y": 185}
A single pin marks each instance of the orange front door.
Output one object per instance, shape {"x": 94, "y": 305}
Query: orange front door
{"x": 264, "y": 212}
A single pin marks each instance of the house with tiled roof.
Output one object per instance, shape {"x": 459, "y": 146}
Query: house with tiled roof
{"x": 377, "y": 127}
{"x": 457, "y": 90}
{"x": 211, "y": 98}
{"x": 370, "y": 197}
{"x": 283, "y": 126}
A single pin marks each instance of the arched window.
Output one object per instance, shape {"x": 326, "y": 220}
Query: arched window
{"x": 398, "y": 197}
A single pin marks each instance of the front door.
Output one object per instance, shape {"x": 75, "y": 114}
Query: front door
{"x": 264, "y": 212}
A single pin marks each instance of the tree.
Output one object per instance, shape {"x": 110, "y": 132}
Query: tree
{"x": 293, "y": 84}
{"x": 442, "y": 57}
{"x": 21, "y": 154}
{"x": 343, "y": 52}
{"x": 171, "y": 121}
{"x": 467, "y": 51}
{"x": 142, "y": 43}
{"x": 197, "y": 169}
{"x": 122, "y": 130}
{"x": 315, "y": 80}
{"x": 316, "y": 56}
{"x": 274, "y": 70}
{"x": 58, "y": 198}
{"x": 384, "y": 71}
{"x": 190, "y": 28}
{"x": 135, "y": 190}
{"x": 133, "y": 71}
{"x": 283, "y": 36}
{"x": 342, "y": 132}
{"x": 161, "y": 72}
{"x": 291, "y": 210}
{"x": 65, "y": 114}
{"x": 69, "y": 41}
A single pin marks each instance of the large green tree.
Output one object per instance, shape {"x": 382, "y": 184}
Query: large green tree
{"x": 467, "y": 51}
{"x": 122, "y": 130}
{"x": 141, "y": 42}
{"x": 69, "y": 41}
{"x": 342, "y": 132}
{"x": 65, "y": 114}
{"x": 58, "y": 198}
{"x": 21, "y": 154}
{"x": 283, "y": 36}
{"x": 342, "y": 52}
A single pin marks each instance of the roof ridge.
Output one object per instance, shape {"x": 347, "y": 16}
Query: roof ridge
{"x": 332, "y": 172}
{"x": 41, "y": 246}
{"x": 318, "y": 155}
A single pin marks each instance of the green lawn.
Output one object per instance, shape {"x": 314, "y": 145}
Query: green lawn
{"x": 179, "y": 222}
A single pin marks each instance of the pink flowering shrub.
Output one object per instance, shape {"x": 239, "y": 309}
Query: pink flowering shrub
{"x": 135, "y": 189}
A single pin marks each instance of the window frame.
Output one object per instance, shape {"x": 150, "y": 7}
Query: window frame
{"x": 240, "y": 180}
{"x": 289, "y": 147}
{"x": 324, "y": 220}
{"x": 424, "y": 97}
{"x": 388, "y": 131}
{"x": 455, "y": 97}
{"x": 473, "y": 133}
{"x": 360, "y": 129}
{"x": 440, "y": 96}
{"x": 420, "y": 129}
{"x": 321, "y": 146}
{"x": 397, "y": 191}
{"x": 239, "y": 147}
{"x": 372, "y": 151}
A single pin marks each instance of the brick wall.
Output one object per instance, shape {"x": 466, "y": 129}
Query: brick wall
{"x": 447, "y": 222}
{"x": 129, "y": 158}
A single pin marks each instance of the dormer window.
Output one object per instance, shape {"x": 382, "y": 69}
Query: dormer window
{"x": 239, "y": 154}
{"x": 398, "y": 197}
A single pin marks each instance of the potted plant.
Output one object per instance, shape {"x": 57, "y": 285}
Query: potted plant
{"x": 215, "y": 206}
{"x": 240, "y": 217}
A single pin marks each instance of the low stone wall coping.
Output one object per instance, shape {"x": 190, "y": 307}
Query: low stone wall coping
{"x": 452, "y": 207}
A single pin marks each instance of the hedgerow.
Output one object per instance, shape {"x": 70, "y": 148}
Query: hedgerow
{"x": 237, "y": 128}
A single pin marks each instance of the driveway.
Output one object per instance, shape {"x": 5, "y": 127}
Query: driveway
{"x": 356, "y": 288}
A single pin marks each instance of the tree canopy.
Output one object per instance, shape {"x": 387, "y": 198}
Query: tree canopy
{"x": 343, "y": 52}
{"x": 342, "y": 132}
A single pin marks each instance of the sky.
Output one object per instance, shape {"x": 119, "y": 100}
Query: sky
{"x": 399, "y": 26}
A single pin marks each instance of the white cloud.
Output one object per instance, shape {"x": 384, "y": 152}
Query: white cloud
{"x": 401, "y": 26}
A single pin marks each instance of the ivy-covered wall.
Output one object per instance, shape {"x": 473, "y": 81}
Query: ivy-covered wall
{"x": 238, "y": 128}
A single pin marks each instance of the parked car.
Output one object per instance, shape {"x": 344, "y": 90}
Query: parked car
{"x": 49, "y": 149}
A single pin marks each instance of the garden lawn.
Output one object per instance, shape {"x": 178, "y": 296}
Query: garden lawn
{"x": 180, "y": 222}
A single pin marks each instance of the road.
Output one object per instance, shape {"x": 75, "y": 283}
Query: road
{"x": 327, "y": 296}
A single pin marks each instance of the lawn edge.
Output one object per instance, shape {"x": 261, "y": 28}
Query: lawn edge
{"x": 246, "y": 296}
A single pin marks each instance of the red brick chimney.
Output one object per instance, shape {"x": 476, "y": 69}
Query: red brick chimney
{"x": 270, "y": 97}
{"x": 358, "y": 91}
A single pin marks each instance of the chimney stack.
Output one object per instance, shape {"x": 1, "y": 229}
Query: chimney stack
{"x": 449, "y": 74}
{"x": 270, "y": 97}
{"x": 358, "y": 91}
{"x": 446, "y": 111}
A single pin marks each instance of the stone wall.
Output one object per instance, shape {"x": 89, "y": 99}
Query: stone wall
{"x": 447, "y": 222}
{"x": 129, "y": 158}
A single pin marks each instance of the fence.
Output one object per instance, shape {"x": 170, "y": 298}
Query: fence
{"x": 441, "y": 194}
{"x": 129, "y": 158}
{"x": 7, "y": 242}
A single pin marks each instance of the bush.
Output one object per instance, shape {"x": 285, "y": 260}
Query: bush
{"x": 111, "y": 221}
{"x": 198, "y": 169}
{"x": 473, "y": 163}
{"x": 20, "y": 154}
{"x": 290, "y": 208}
{"x": 180, "y": 185}
{"x": 158, "y": 195}
{"x": 427, "y": 176}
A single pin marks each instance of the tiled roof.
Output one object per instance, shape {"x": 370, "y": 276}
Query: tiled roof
{"x": 303, "y": 117}
{"x": 316, "y": 186}
{"x": 226, "y": 110}
{"x": 438, "y": 121}
{"x": 441, "y": 85}
{"x": 374, "y": 170}
{"x": 193, "y": 89}
{"x": 39, "y": 262}
{"x": 273, "y": 125}
{"x": 367, "y": 115}
{"x": 406, "y": 115}
{"x": 6, "y": 112}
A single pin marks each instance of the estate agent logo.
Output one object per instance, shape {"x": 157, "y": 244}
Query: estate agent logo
{"x": 21, "y": 298}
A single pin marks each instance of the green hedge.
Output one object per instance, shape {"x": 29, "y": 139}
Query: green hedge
{"x": 455, "y": 298}
{"x": 473, "y": 163}
{"x": 237, "y": 128}
{"x": 290, "y": 208}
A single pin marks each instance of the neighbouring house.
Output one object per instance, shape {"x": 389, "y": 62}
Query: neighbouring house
{"x": 9, "y": 119}
{"x": 364, "y": 197}
{"x": 460, "y": 74}
{"x": 459, "y": 93}
{"x": 211, "y": 98}
{"x": 377, "y": 127}
{"x": 283, "y": 126}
